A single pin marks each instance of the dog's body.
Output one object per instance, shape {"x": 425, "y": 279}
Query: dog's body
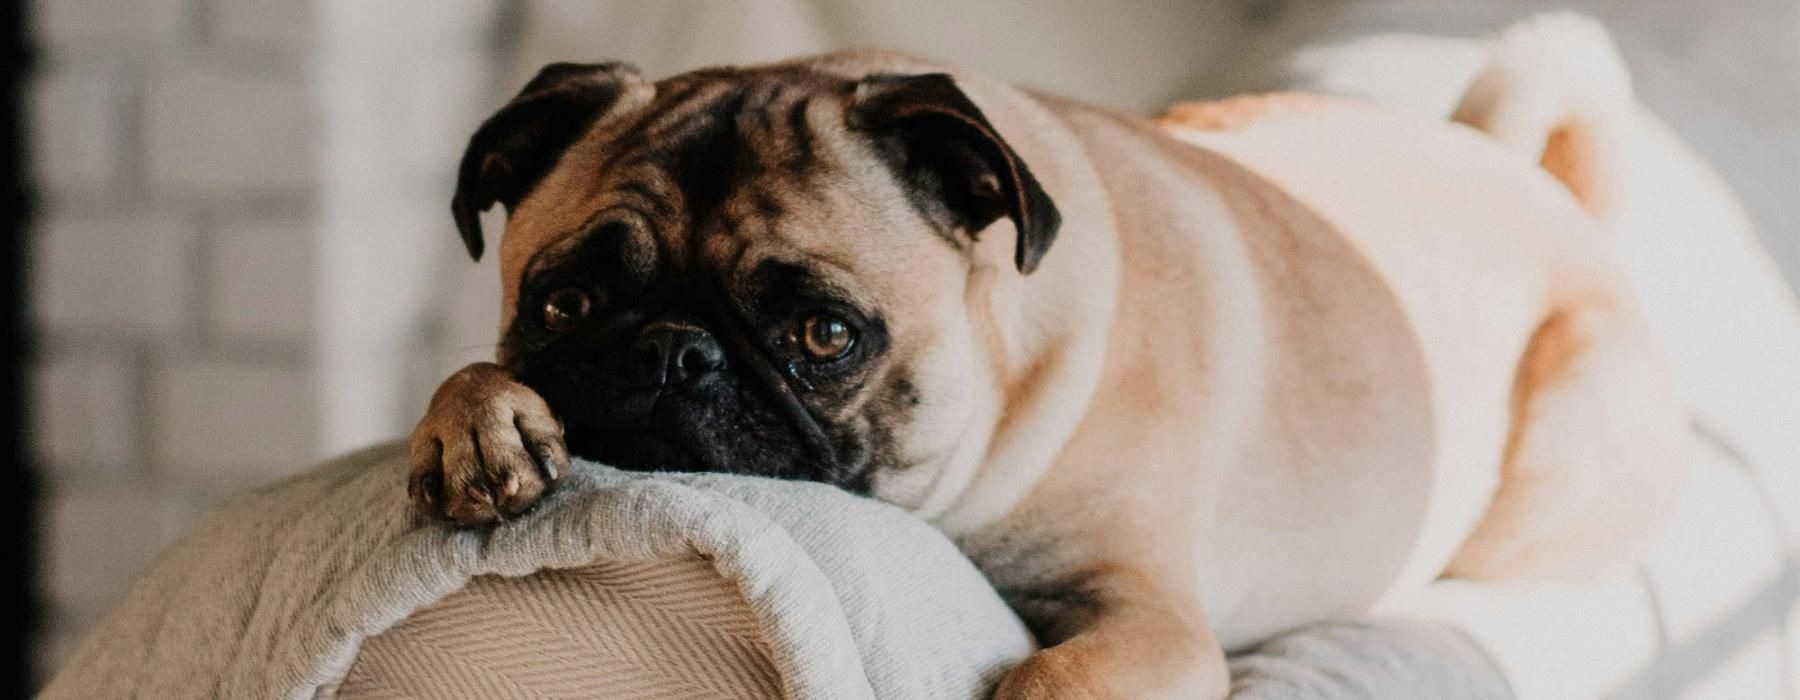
{"x": 1305, "y": 357}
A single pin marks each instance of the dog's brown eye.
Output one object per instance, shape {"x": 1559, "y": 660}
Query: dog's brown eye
{"x": 564, "y": 308}
{"x": 824, "y": 337}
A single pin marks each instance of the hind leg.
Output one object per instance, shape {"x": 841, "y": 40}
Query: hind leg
{"x": 1597, "y": 451}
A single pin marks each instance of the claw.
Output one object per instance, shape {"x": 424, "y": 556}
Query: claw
{"x": 488, "y": 473}
{"x": 431, "y": 487}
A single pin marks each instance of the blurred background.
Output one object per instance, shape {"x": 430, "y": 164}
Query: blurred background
{"x": 238, "y": 258}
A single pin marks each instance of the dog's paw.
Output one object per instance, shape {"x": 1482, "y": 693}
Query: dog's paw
{"x": 1046, "y": 674}
{"x": 487, "y": 449}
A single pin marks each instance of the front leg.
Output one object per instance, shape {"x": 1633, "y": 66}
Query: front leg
{"x": 488, "y": 448}
{"x": 1119, "y": 635}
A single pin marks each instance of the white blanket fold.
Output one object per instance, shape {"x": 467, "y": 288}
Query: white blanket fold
{"x": 273, "y": 595}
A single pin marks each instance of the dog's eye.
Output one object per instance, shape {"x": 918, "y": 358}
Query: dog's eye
{"x": 823, "y": 337}
{"x": 565, "y": 307}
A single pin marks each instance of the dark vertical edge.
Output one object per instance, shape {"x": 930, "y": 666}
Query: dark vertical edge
{"x": 19, "y": 495}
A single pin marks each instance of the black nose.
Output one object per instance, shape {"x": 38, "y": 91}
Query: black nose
{"x": 668, "y": 352}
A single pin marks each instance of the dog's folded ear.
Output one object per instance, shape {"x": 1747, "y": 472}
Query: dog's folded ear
{"x": 517, "y": 146}
{"x": 961, "y": 173}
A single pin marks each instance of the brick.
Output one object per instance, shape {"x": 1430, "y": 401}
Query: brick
{"x": 96, "y": 541}
{"x": 102, "y": 23}
{"x": 85, "y": 416}
{"x": 447, "y": 96}
{"x": 261, "y": 25}
{"x": 124, "y": 276}
{"x": 80, "y": 123}
{"x": 214, "y": 133}
{"x": 225, "y": 424}
{"x": 262, "y": 281}
{"x": 406, "y": 26}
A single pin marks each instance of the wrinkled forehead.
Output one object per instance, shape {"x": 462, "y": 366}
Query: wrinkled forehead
{"x": 720, "y": 171}
{"x": 705, "y": 163}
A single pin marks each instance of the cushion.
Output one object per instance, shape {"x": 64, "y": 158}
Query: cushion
{"x": 696, "y": 585}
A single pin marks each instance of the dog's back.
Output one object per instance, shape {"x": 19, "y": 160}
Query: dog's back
{"x": 1494, "y": 240}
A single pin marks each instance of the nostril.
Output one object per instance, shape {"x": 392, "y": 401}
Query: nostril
{"x": 668, "y": 353}
{"x": 695, "y": 362}
{"x": 651, "y": 361}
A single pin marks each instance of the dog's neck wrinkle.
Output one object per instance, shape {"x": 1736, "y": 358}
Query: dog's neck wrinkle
{"x": 1050, "y": 326}
{"x": 1155, "y": 354}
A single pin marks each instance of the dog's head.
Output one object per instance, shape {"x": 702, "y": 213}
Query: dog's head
{"x": 761, "y": 271}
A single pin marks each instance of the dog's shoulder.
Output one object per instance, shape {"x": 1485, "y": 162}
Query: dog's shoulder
{"x": 1245, "y": 111}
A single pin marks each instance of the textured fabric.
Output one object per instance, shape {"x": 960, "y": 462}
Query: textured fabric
{"x": 662, "y": 629}
{"x": 274, "y": 595}
{"x": 1378, "y": 659}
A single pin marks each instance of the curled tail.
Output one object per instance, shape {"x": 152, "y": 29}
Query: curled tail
{"x": 1555, "y": 88}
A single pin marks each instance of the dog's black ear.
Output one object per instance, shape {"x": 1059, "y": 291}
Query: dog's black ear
{"x": 961, "y": 172}
{"x": 517, "y": 146}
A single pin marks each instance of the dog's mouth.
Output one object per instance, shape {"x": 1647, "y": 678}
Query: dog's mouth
{"x": 638, "y": 431}
{"x": 642, "y": 450}
{"x": 736, "y": 421}
{"x": 673, "y": 431}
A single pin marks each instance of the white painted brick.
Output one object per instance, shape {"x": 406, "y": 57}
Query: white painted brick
{"x": 410, "y": 24}
{"x": 263, "y": 25}
{"x": 209, "y": 131}
{"x": 80, "y": 130}
{"x": 97, "y": 541}
{"x": 117, "y": 274}
{"x": 449, "y": 92}
{"x": 262, "y": 281}
{"x": 84, "y": 414}
{"x": 224, "y": 424}
{"x": 103, "y": 23}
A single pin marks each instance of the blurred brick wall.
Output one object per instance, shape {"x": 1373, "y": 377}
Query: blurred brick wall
{"x": 200, "y": 164}
{"x": 172, "y": 275}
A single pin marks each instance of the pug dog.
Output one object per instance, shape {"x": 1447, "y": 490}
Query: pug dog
{"x": 1176, "y": 387}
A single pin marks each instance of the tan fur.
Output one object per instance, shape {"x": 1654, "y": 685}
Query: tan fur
{"x": 1571, "y": 155}
{"x": 1552, "y": 87}
{"x": 1235, "y": 112}
{"x": 500, "y": 432}
{"x": 1290, "y": 357}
